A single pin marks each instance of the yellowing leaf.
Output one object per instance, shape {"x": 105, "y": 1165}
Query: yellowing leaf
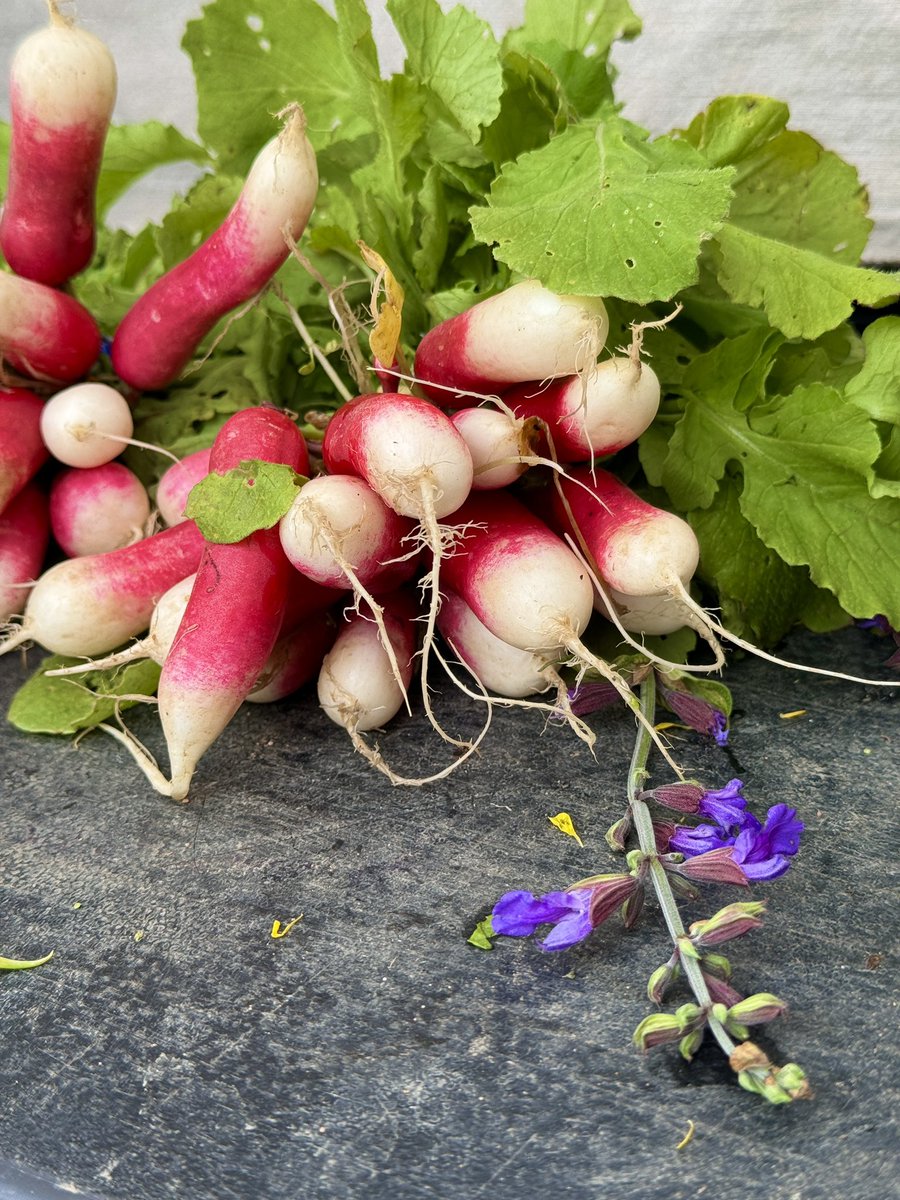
{"x": 388, "y": 318}
{"x": 563, "y": 822}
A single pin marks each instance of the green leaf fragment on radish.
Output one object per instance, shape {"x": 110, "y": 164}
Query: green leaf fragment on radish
{"x": 602, "y": 211}
{"x": 70, "y": 704}
{"x": 253, "y": 496}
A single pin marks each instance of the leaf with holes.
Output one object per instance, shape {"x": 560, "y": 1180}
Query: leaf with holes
{"x": 255, "y": 495}
{"x": 602, "y": 211}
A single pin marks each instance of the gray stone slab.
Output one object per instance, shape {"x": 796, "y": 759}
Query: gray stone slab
{"x": 373, "y": 1052}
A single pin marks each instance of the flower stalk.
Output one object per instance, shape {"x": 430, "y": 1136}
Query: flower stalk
{"x": 643, "y": 826}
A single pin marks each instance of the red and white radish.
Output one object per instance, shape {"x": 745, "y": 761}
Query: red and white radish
{"x": 161, "y": 332}
{"x": 501, "y": 446}
{"x": 235, "y": 611}
{"x": 599, "y": 412}
{"x": 498, "y": 666}
{"x": 339, "y": 532}
{"x": 24, "y": 533}
{"x": 97, "y": 509}
{"x": 89, "y": 605}
{"x": 406, "y": 450}
{"x": 296, "y": 659}
{"x": 410, "y": 453}
{"x": 176, "y": 482}
{"x": 356, "y": 687}
{"x": 639, "y": 550}
{"x": 22, "y": 449}
{"x": 526, "y": 332}
{"x": 62, "y": 92}
{"x": 86, "y": 425}
{"x": 45, "y": 334}
{"x": 526, "y": 586}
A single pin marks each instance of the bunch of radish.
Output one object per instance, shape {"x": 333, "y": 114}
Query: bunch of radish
{"x": 420, "y": 546}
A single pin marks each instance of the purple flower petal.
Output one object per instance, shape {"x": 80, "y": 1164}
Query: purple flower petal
{"x": 518, "y": 914}
{"x": 574, "y": 927}
{"x": 726, "y": 806}
{"x": 697, "y": 839}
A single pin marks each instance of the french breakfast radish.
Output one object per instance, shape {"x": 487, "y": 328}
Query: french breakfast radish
{"x": 639, "y": 550}
{"x": 176, "y": 482}
{"x": 527, "y": 586}
{"x": 496, "y": 664}
{"x": 87, "y": 424}
{"x": 45, "y": 334}
{"x": 89, "y": 605}
{"x": 598, "y": 412}
{"x": 296, "y": 659}
{"x": 642, "y": 552}
{"x": 161, "y": 332}
{"x": 410, "y": 453}
{"x": 339, "y": 532}
{"x": 500, "y": 445}
{"x": 62, "y": 92}
{"x": 407, "y": 450}
{"x": 235, "y": 611}
{"x": 97, "y": 509}
{"x": 22, "y": 449}
{"x": 24, "y": 532}
{"x": 526, "y": 332}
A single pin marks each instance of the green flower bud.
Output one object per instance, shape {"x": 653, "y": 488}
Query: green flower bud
{"x": 757, "y": 1009}
{"x": 661, "y": 980}
{"x": 689, "y": 1045}
{"x": 656, "y": 1030}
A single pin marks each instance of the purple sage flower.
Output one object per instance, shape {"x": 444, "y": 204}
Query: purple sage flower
{"x": 727, "y": 806}
{"x": 765, "y": 851}
{"x": 518, "y": 914}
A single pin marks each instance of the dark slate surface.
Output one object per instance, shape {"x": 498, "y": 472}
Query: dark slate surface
{"x": 373, "y": 1053}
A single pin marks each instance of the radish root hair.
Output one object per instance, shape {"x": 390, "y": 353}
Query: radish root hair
{"x": 702, "y": 614}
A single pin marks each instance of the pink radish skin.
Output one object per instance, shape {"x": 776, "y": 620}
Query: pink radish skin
{"x": 97, "y": 509}
{"x": 161, "y": 332}
{"x": 356, "y": 686}
{"x": 342, "y": 514}
{"x": 88, "y": 606}
{"x": 600, "y": 412}
{"x": 400, "y": 445}
{"x": 62, "y": 92}
{"x": 497, "y": 443}
{"x": 524, "y": 333}
{"x": 24, "y": 533}
{"x": 499, "y": 667}
{"x": 22, "y": 449}
{"x": 236, "y": 609}
{"x": 639, "y": 550}
{"x": 44, "y": 333}
{"x": 176, "y": 483}
{"x": 517, "y": 576}
{"x": 295, "y": 659}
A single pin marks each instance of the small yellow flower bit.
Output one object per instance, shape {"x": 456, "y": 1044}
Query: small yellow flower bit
{"x": 280, "y": 931}
{"x": 563, "y": 822}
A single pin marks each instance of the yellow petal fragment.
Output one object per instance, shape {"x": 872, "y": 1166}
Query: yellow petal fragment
{"x": 385, "y": 336}
{"x": 280, "y": 931}
{"x": 563, "y": 822}
{"x": 789, "y": 716}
